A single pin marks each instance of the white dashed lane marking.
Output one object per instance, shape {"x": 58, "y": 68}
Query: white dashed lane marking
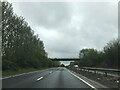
{"x": 39, "y": 78}
{"x": 50, "y": 72}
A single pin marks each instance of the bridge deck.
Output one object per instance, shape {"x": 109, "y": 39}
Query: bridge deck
{"x": 65, "y": 59}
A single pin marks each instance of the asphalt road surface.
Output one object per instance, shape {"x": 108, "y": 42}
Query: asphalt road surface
{"x": 51, "y": 78}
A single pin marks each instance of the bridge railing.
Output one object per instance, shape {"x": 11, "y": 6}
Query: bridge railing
{"x": 64, "y": 59}
{"x": 105, "y": 71}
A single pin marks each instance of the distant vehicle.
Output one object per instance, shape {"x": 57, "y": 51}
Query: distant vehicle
{"x": 76, "y": 66}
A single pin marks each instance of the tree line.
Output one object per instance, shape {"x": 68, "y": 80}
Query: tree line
{"x": 21, "y": 48}
{"x": 106, "y": 58}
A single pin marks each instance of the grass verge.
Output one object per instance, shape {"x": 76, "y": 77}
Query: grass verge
{"x": 109, "y": 81}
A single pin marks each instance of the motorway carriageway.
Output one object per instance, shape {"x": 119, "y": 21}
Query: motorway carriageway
{"x": 59, "y": 77}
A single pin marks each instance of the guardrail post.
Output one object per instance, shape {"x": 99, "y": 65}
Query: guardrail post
{"x": 118, "y": 82}
{"x": 105, "y": 74}
{"x": 95, "y": 71}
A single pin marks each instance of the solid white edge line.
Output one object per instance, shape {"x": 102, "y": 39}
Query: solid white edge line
{"x": 39, "y": 78}
{"x": 18, "y": 75}
{"x": 83, "y": 80}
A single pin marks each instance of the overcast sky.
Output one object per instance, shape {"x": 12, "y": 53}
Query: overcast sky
{"x": 67, "y": 27}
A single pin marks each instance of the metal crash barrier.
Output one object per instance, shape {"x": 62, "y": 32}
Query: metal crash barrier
{"x": 106, "y": 72}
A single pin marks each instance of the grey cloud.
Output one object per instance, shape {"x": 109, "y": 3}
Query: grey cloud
{"x": 66, "y": 28}
{"x": 49, "y": 15}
